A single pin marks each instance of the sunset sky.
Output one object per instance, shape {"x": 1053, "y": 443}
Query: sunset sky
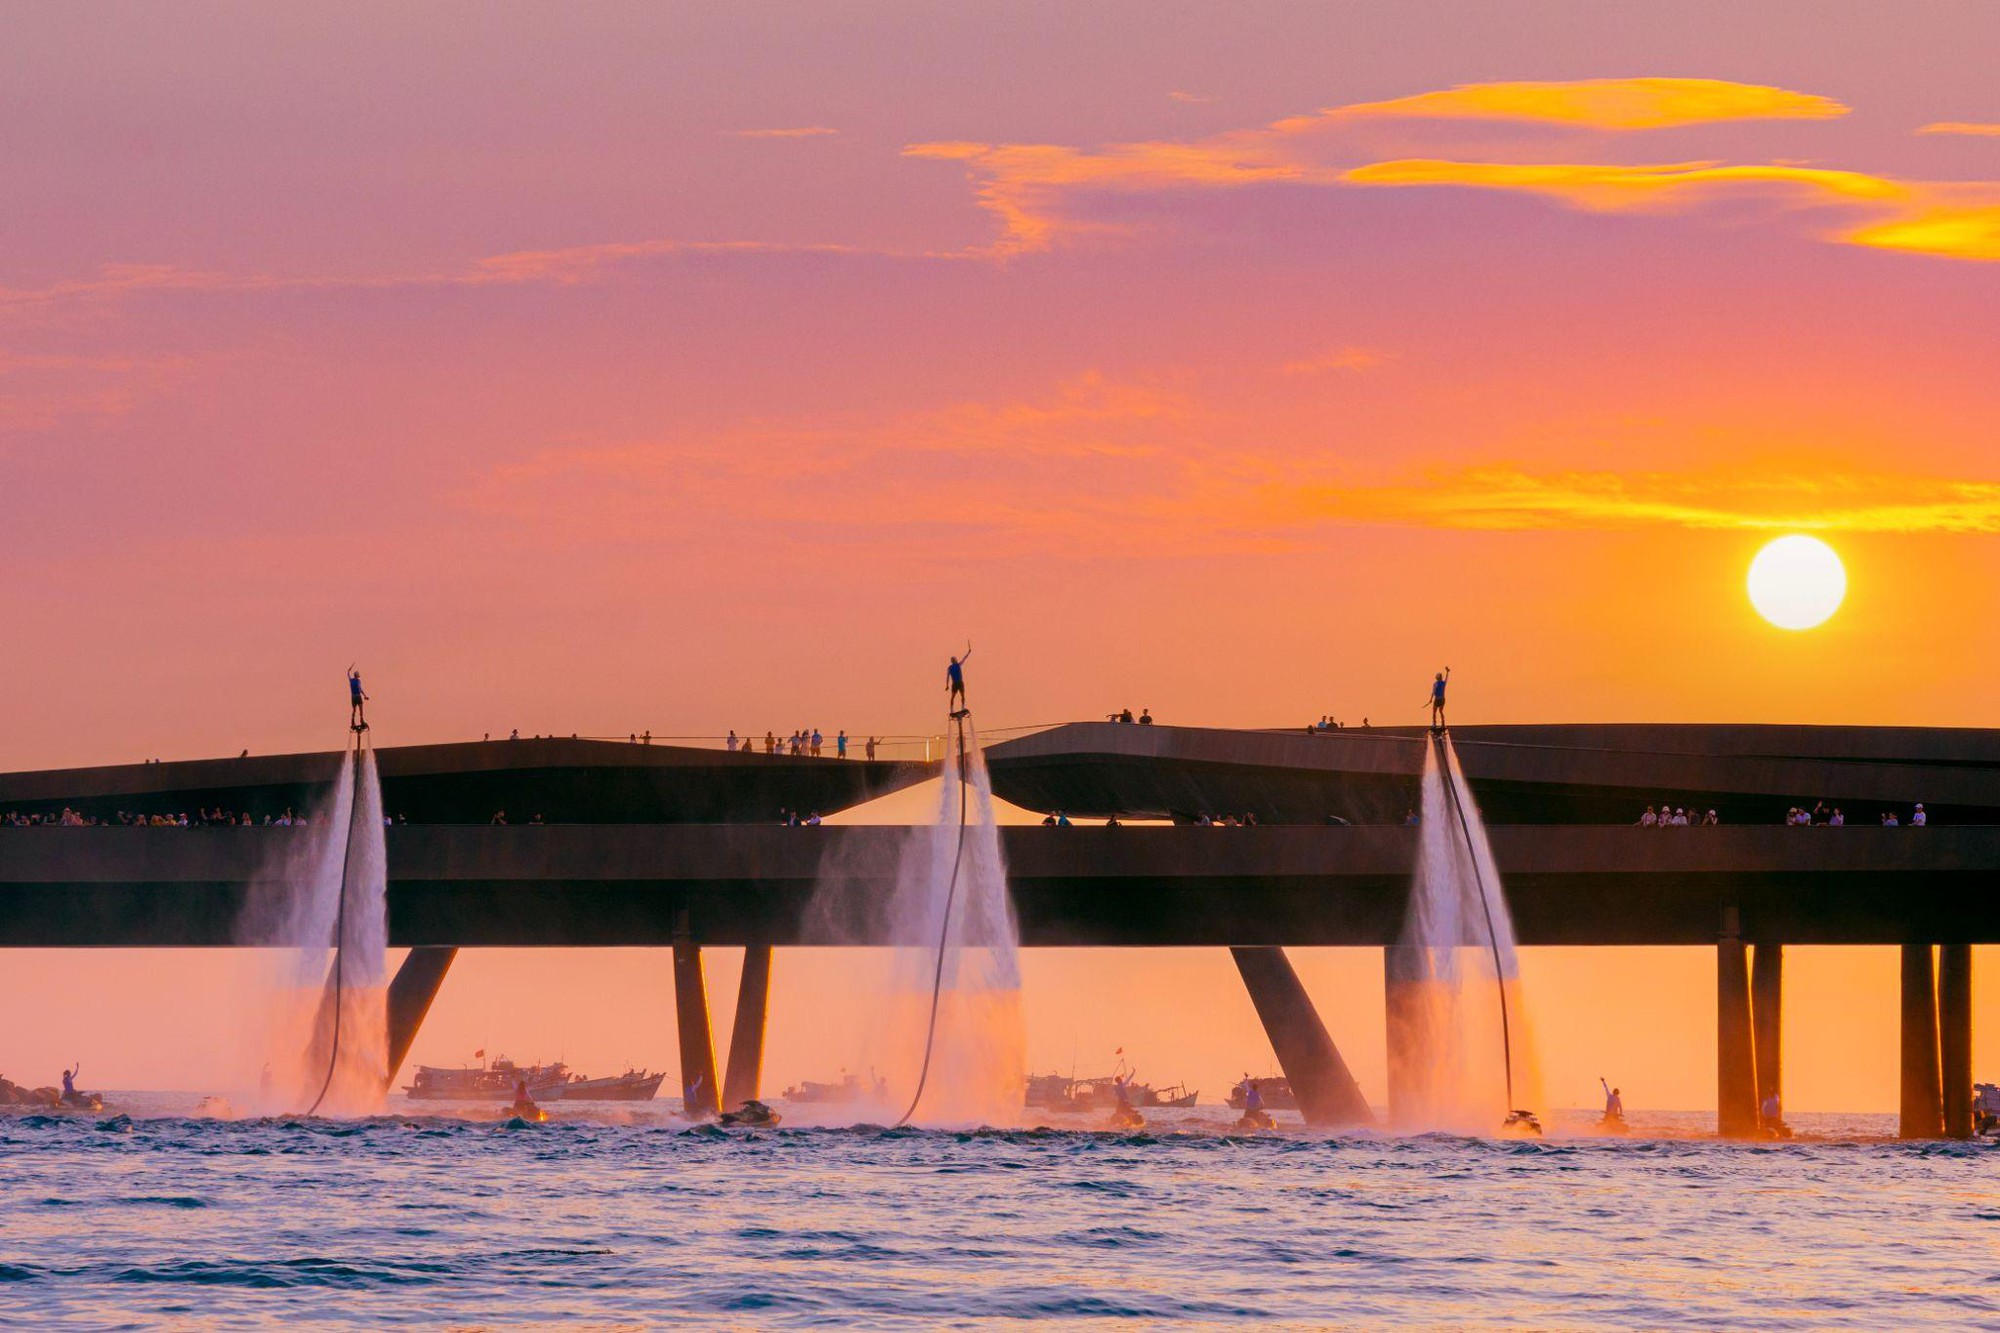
{"x": 633, "y": 366}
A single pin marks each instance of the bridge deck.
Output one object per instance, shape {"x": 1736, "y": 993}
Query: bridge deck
{"x": 601, "y": 885}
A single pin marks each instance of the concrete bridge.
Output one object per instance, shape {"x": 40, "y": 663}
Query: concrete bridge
{"x": 1745, "y": 889}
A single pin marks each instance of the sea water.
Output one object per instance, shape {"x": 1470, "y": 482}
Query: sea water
{"x": 154, "y": 1217}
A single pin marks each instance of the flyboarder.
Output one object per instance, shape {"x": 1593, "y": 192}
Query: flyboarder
{"x": 357, "y": 716}
{"x": 1437, "y": 699}
{"x": 954, "y": 683}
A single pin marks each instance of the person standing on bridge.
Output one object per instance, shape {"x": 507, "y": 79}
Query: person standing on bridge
{"x": 1437, "y": 699}
{"x": 954, "y": 682}
{"x": 357, "y": 716}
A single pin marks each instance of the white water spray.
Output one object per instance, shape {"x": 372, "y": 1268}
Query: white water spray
{"x": 324, "y": 900}
{"x": 978, "y": 1041}
{"x": 1458, "y": 1024}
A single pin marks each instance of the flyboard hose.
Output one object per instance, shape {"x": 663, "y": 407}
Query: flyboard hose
{"x": 1485, "y": 906}
{"x": 340, "y": 932}
{"x": 944, "y": 927}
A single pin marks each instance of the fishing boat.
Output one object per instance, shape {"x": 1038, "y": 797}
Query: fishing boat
{"x": 1060, "y": 1092}
{"x": 851, "y": 1088}
{"x": 488, "y": 1082}
{"x": 1276, "y": 1092}
{"x": 634, "y": 1085}
{"x": 1052, "y": 1092}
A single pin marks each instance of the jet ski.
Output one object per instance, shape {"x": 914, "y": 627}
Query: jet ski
{"x": 1124, "y": 1117}
{"x": 1521, "y": 1122}
{"x": 751, "y": 1115}
{"x": 1613, "y": 1124}
{"x": 1255, "y": 1120}
{"x": 526, "y": 1109}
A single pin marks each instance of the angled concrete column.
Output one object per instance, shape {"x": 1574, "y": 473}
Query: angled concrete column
{"x": 1327, "y": 1092}
{"x": 1735, "y": 1044}
{"x": 746, "y": 1037}
{"x": 1403, "y": 970}
{"x": 1767, "y": 984}
{"x": 698, "y": 1091}
{"x": 1922, "y": 1101}
{"x": 1955, "y": 1037}
{"x": 411, "y": 993}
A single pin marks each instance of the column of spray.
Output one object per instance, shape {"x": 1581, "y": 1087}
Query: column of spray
{"x": 1458, "y": 1033}
{"x": 969, "y": 990}
{"x": 345, "y": 1062}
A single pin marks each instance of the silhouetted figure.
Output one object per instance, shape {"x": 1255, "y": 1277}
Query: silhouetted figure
{"x": 954, "y": 682}
{"x": 357, "y": 716}
{"x": 1437, "y": 699}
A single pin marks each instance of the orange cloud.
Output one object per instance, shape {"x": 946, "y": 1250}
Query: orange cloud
{"x": 787, "y": 132}
{"x": 1956, "y": 220}
{"x": 1024, "y": 184}
{"x": 1605, "y": 104}
{"x": 1505, "y": 496}
{"x": 1336, "y": 358}
{"x": 1960, "y": 127}
{"x": 576, "y": 263}
{"x": 1610, "y": 188}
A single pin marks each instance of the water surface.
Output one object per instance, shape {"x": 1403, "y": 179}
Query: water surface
{"x": 161, "y": 1218}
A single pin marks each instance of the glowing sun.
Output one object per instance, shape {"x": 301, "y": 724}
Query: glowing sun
{"x": 1797, "y": 582}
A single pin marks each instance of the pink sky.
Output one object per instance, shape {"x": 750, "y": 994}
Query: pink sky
{"x": 632, "y": 367}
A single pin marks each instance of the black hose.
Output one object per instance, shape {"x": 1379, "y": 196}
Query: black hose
{"x": 340, "y": 930}
{"x": 1492, "y": 935}
{"x": 944, "y": 932}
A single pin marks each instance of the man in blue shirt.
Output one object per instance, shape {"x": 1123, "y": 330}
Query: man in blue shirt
{"x": 954, "y": 681}
{"x": 356, "y": 716}
{"x": 1437, "y": 699}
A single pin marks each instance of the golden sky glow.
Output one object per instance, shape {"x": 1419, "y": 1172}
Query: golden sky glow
{"x": 650, "y": 367}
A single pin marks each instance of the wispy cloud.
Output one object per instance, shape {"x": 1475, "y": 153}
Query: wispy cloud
{"x": 787, "y": 132}
{"x": 1603, "y": 104}
{"x": 1025, "y": 185}
{"x": 1617, "y": 188}
{"x": 560, "y": 266}
{"x": 1179, "y": 96}
{"x": 1956, "y": 220}
{"x": 1507, "y": 496}
{"x": 1979, "y": 128}
{"x": 1335, "y": 358}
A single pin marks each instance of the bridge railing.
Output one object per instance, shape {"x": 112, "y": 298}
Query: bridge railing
{"x": 906, "y": 747}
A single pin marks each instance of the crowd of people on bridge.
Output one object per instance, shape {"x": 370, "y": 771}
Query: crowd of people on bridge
{"x": 68, "y": 818}
{"x": 1822, "y": 815}
{"x": 1676, "y": 816}
{"x": 805, "y": 742}
{"x": 202, "y": 818}
{"x": 1818, "y": 815}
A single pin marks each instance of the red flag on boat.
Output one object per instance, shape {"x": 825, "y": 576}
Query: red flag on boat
{"x": 479, "y": 1054}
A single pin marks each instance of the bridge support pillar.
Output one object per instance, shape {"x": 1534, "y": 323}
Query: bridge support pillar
{"x": 1327, "y": 1092}
{"x": 698, "y": 1091}
{"x": 746, "y": 1037}
{"x": 1767, "y": 984}
{"x": 1922, "y": 1099}
{"x": 1955, "y": 1037}
{"x": 411, "y": 993}
{"x": 1403, "y": 970}
{"x": 1735, "y": 1042}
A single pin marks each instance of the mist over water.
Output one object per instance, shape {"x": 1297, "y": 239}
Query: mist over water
{"x": 1449, "y": 1044}
{"x": 339, "y": 858}
{"x": 978, "y": 1060}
